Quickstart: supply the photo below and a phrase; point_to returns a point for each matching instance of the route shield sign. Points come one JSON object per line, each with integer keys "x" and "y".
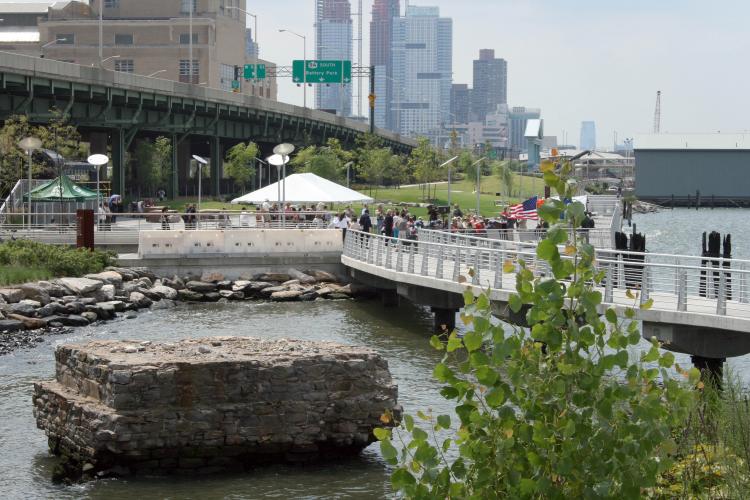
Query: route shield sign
{"x": 254, "y": 71}
{"x": 318, "y": 71}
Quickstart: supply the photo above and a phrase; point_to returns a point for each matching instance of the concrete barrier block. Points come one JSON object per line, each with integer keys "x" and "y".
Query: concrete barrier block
{"x": 160, "y": 243}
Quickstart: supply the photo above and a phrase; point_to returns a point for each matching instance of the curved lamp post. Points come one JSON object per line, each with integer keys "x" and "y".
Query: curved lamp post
{"x": 98, "y": 160}
{"x": 29, "y": 145}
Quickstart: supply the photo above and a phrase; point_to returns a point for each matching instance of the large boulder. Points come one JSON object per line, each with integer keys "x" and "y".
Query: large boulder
{"x": 139, "y": 300}
{"x": 80, "y": 286}
{"x": 76, "y": 307}
{"x": 212, "y": 277}
{"x": 11, "y": 295}
{"x": 286, "y": 295}
{"x": 301, "y": 277}
{"x": 201, "y": 287}
{"x": 165, "y": 292}
{"x": 144, "y": 272}
{"x": 106, "y": 293}
{"x": 187, "y": 295}
{"x": 10, "y": 325}
{"x": 107, "y": 277}
{"x": 24, "y": 308}
{"x": 50, "y": 309}
{"x": 127, "y": 274}
{"x": 29, "y": 323}
{"x": 175, "y": 282}
{"x": 322, "y": 276}
{"x": 231, "y": 295}
{"x": 72, "y": 320}
{"x": 277, "y": 277}
{"x": 117, "y": 305}
{"x": 35, "y": 291}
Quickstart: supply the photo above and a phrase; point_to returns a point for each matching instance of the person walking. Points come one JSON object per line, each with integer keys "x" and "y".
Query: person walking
{"x": 164, "y": 219}
{"x": 365, "y": 222}
{"x": 388, "y": 224}
{"x": 342, "y": 222}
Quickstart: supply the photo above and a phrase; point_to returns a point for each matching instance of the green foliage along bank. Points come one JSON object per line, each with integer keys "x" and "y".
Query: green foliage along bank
{"x": 24, "y": 260}
{"x": 566, "y": 408}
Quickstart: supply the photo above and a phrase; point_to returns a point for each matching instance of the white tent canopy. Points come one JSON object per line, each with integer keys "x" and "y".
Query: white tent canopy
{"x": 305, "y": 188}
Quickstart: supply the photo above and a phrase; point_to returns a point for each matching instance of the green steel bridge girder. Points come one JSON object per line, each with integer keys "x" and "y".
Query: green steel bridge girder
{"x": 127, "y": 113}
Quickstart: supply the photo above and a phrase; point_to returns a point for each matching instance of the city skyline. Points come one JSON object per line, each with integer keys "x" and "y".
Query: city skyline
{"x": 623, "y": 63}
{"x": 578, "y": 66}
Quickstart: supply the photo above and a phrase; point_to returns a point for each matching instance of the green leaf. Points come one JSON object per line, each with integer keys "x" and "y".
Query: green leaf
{"x": 611, "y": 316}
{"x": 419, "y": 434}
{"x": 667, "y": 360}
{"x": 388, "y": 450}
{"x": 547, "y": 250}
{"x": 495, "y": 397}
{"x": 647, "y": 305}
{"x": 528, "y": 486}
{"x": 557, "y": 234}
{"x": 454, "y": 342}
{"x": 472, "y": 341}
{"x": 514, "y": 301}
{"x": 436, "y": 343}
{"x": 444, "y": 421}
{"x": 442, "y": 373}
{"x": 381, "y": 434}
{"x": 486, "y": 375}
{"x": 402, "y": 478}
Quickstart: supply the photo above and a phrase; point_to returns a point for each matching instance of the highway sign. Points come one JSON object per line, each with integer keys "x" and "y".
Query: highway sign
{"x": 254, "y": 71}
{"x": 317, "y": 71}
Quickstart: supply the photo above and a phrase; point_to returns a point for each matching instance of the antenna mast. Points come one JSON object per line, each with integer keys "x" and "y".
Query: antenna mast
{"x": 657, "y": 113}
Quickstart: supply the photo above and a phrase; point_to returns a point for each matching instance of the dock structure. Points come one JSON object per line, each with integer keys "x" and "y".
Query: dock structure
{"x": 700, "y": 307}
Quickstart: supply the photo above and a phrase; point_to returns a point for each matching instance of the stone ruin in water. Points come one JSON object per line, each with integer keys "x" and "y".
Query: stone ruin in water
{"x": 205, "y": 405}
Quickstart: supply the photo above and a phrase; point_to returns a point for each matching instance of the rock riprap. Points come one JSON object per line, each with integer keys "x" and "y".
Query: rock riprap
{"x": 205, "y": 405}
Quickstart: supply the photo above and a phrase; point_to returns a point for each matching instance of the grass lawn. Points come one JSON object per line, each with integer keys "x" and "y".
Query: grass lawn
{"x": 16, "y": 275}
{"x": 462, "y": 192}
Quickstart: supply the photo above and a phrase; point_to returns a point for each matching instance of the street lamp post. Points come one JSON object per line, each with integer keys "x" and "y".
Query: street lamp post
{"x": 98, "y": 161}
{"x": 479, "y": 181}
{"x": 49, "y": 44}
{"x": 201, "y": 162}
{"x": 156, "y": 73}
{"x": 348, "y": 174}
{"x": 101, "y": 34}
{"x": 304, "y": 66}
{"x": 448, "y": 164}
{"x": 29, "y": 145}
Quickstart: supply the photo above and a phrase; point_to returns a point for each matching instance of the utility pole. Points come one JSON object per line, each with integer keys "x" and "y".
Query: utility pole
{"x": 101, "y": 31}
{"x": 657, "y": 113}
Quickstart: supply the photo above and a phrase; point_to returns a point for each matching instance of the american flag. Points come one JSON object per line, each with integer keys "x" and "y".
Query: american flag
{"x": 524, "y": 211}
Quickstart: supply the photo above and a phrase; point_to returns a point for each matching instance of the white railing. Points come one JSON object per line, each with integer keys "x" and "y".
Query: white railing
{"x": 675, "y": 282}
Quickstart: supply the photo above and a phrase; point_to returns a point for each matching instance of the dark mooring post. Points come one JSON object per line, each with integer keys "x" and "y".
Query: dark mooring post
{"x": 727, "y": 254}
{"x": 445, "y": 320}
{"x": 704, "y": 264}
{"x": 712, "y": 369}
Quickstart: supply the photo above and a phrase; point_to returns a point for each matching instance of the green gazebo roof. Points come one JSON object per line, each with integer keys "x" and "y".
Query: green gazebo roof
{"x": 51, "y": 191}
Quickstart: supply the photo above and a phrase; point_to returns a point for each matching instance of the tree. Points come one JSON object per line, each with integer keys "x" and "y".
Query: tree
{"x": 375, "y": 164}
{"x": 464, "y": 164}
{"x": 423, "y": 162}
{"x": 558, "y": 409}
{"x": 322, "y": 161}
{"x": 58, "y": 135}
{"x": 240, "y": 165}
{"x": 505, "y": 174}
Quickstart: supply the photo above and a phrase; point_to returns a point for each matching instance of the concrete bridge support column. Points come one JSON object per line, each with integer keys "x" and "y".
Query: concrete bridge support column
{"x": 174, "y": 177}
{"x": 389, "y": 298}
{"x": 445, "y": 319}
{"x": 118, "y": 161}
{"x": 217, "y": 157}
{"x": 98, "y": 142}
{"x": 712, "y": 369}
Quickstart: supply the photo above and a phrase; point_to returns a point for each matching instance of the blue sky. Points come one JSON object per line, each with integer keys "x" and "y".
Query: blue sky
{"x": 600, "y": 60}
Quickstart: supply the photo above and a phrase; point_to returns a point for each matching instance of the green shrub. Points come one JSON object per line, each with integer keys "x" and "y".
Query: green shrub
{"x": 558, "y": 410}
{"x": 55, "y": 260}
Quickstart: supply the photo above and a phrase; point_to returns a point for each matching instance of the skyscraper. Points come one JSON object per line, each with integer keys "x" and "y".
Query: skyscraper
{"x": 490, "y": 84}
{"x": 519, "y": 118}
{"x": 460, "y": 102}
{"x": 333, "y": 41}
{"x": 588, "y": 135}
{"x": 423, "y": 70}
{"x": 381, "y": 43}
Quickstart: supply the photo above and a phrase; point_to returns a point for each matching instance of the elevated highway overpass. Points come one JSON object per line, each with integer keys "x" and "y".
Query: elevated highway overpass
{"x": 113, "y": 110}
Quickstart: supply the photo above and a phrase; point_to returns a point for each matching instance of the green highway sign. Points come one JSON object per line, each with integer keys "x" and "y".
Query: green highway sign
{"x": 254, "y": 71}
{"x": 317, "y": 71}
{"x": 235, "y": 84}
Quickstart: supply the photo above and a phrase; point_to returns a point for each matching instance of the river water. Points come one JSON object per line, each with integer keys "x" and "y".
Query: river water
{"x": 399, "y": 334}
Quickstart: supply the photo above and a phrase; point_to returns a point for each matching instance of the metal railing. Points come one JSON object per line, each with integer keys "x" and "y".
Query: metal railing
{"x": 680, "y": 283}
